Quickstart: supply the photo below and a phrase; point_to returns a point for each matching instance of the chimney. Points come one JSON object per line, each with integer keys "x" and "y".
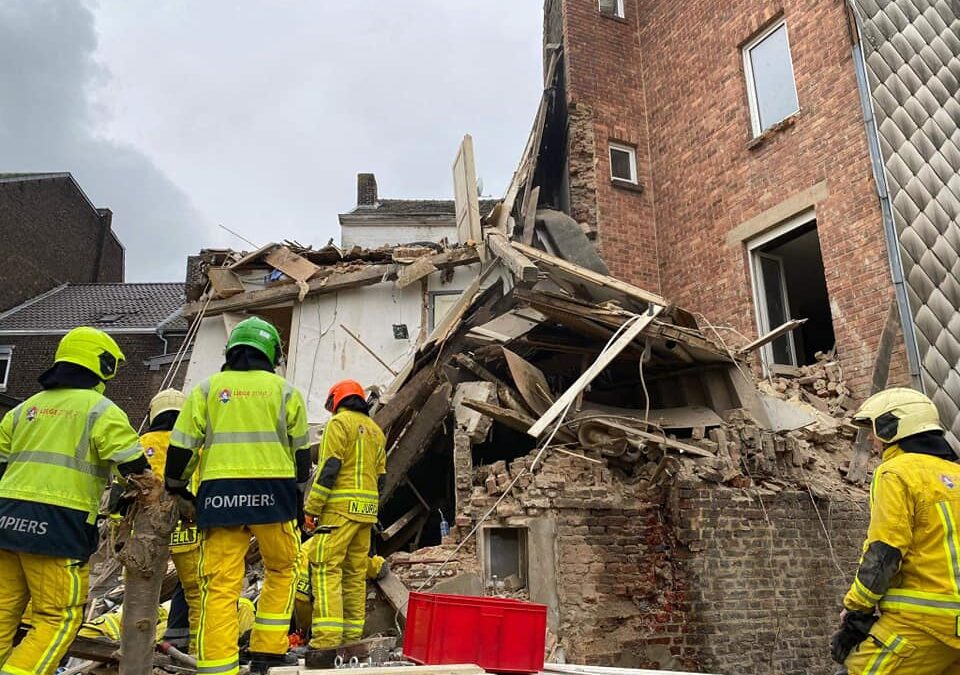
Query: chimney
{"x": 366, "y": 189}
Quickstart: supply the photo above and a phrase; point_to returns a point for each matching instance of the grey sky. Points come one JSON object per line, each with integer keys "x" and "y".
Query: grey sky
{"x": 180, "y": 115}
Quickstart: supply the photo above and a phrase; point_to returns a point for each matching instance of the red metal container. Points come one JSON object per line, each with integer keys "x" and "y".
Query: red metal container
{"x": 497, "y": 634}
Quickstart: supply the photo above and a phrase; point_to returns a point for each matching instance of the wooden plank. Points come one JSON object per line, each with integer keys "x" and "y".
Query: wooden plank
{"x": 530, "y": 382}
{"x": 402, "y": 522}
{"x": 589, "y": 276}
{"x": 409, "y": 397}
{"x": 420, "y": 269}
{"x": 523, "y": 270}
{"x": 510, "y": 418}
{"x": 604, "y": 360}
{"x": 339, "y": 281}
{"x": 530, "y": 216}
{"x": 99, "y": 650}
{"x": 766, "y": 338}
{"x": 253, "y": 256}
{"x": 466, "y": 202}
{"x": 294, "y": 266}
{"x": 661, "y": 440}
{"x": 225, "y": 283}
{"x": 396, "y": 593}
{"x": 510, "y": 326}
{"x": 680, "y": 417}
{"x": 416, "y": 438}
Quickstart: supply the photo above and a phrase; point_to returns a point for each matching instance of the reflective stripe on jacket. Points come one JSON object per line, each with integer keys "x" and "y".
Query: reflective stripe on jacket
{"x": 249, "y": 423}
{"x": 59, "y": 446}
{"x": 359, "y": 444}
{"x": 915, "y": 508}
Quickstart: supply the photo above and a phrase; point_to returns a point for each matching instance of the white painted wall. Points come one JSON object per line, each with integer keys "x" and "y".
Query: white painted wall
{"x": 380, "y": 234}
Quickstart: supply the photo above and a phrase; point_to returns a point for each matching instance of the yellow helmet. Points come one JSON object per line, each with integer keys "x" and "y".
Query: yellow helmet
{"x": 896, "y": 413}
{"x": 91, "y": 348}
{"x": 165, "y": 401}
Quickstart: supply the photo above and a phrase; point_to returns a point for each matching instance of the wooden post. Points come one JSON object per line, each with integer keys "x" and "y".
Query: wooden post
{"x": 145, "y": 538}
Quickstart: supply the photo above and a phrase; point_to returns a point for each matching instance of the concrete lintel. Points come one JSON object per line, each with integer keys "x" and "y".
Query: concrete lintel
{"x": 767, "y": 220}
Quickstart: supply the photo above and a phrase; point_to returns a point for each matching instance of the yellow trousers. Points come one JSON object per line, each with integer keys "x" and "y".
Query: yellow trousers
{"x": 908, "y": 644}
{"x": 221, "y": 566}
{"x": 186, "y": 563}
{"x": 57, "y": 588}
{"x": 338, "y": 574}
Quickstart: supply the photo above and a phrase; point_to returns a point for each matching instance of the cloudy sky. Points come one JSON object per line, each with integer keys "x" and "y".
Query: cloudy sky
{"x": 258, "y": 114}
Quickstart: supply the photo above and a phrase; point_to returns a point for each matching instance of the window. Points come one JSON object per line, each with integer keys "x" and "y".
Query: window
{"x": 789, "y": 283}
{"x": 612, "y": 8}
{"x": 770, "y": 85}
{"x": 6, "y": 353}
{"x": 505, "y": 558}
{"x": 623, "y": 163}
{"x": 441, "y": 302}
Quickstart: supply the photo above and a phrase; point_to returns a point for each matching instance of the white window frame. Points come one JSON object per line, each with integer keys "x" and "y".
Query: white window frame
{"x": 434, "y": 319}
{"x": 751, "y": 83}
{"x": 619, "y": 12}
{"x": 632, "y": 152}
{"x": 6, "y": 351}
{"x": 756, "y": 282}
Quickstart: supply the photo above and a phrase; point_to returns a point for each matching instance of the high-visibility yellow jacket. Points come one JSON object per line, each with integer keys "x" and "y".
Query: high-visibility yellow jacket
{"x": 360, "y": 446}
{"x": 251, "y": 425}
{"x": 914, "y": 508}
{"x": 155, "y": 445}
{"x": 58, "y": 447}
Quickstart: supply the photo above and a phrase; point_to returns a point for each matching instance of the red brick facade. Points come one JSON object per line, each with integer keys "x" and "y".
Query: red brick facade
{"x": 668, "y": 79}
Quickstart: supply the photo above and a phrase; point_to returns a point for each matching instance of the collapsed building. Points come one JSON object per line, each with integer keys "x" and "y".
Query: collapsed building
{"x": 565, "y": 437}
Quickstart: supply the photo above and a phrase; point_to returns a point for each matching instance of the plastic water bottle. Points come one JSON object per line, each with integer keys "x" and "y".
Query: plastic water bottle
{"x": 444, "y": 525}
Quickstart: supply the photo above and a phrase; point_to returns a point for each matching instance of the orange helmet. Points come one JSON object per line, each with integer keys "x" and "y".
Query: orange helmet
{"x": 340, "y": 391}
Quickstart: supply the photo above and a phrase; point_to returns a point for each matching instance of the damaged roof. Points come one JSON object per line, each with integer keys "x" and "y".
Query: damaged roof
{"x": 110, "y": 307}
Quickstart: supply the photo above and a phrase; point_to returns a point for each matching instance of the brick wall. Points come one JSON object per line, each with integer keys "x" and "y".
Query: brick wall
{"x": 132, "y": 388}
{"x": 51, "y": 235}
{"x": 679, "y": 96}
{"x": 763, "y": 588}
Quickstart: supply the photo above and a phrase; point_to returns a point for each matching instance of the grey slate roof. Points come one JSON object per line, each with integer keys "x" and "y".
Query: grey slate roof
{"x": 110, "y": 307}
{"x": 418, "y": 207}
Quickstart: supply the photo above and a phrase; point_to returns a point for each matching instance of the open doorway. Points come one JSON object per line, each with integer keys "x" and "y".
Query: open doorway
{"x": 789, "y": 283}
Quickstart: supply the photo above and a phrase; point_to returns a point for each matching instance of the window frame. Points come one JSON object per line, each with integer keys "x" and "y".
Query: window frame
{"x": 523, "y": 553}
{"x": 619, "y": 13}
{"x": 751, "y": 82}
{"x": 632, "y": 153}
{"x": 754, "y": 253}
{"x": 6, "y": 351}
{"x": 432, "y": 301}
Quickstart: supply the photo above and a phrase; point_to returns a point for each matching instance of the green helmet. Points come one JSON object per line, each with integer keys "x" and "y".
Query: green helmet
{"x": 91, "y": 348}
{"x": 259, "y": 334}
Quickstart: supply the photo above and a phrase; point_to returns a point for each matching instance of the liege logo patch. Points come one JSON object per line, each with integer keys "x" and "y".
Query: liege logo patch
{"x": 32, "y": 414}
{"x": 224, "y": 396}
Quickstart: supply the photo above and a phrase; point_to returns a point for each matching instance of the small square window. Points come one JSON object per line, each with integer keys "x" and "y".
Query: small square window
{"x": 623, "y": 163}
{"x": 771, "y": 88}
{"x": 505, "y": 558}
{"x": 441, "y": 302}
{"x": 6, "y": 355}
{"x": 612, "y": 8}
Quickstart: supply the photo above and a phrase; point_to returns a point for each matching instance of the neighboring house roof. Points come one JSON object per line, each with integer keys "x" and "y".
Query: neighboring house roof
{"x": 114, "y": 308}
{"x": 417, "y": 207}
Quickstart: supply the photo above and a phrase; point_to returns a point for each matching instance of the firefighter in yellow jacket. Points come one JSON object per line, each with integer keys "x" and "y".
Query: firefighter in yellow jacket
{"x": 344, "y": 499}
{"x": 254, "y": 468}
{"x": 184, "y": 544}
{"x": 57, "y": 449}
{"x": 910, "y": 568}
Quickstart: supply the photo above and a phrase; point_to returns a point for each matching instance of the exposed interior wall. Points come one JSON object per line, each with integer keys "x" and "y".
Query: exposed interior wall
{"x": 377, "y": 234}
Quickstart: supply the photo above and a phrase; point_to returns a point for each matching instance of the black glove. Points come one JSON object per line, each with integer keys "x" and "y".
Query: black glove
{"x": 117, "y": 502}
{"x": 853, "y": 630}
{"x": 180, "y": 491}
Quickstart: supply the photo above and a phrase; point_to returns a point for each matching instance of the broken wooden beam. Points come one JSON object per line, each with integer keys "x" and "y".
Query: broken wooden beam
{"x": 766, "y": 338}
{"x": 584, "y": 275}
{"x": 337, "y": 281}
{"x": 416, "y": 438}
{"x": 606, "y": 357}
{"x": 402, "y": 522}
{"x": 410, "y": 397}
{"x": 396, "y": 593}
{"x": 225, "y": 282}
{"x": 294, "y": 266}
{"x": 523, "y": 270}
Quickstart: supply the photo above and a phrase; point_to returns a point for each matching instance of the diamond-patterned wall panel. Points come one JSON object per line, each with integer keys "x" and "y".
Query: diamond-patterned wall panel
{"x": 912, "y": 49}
